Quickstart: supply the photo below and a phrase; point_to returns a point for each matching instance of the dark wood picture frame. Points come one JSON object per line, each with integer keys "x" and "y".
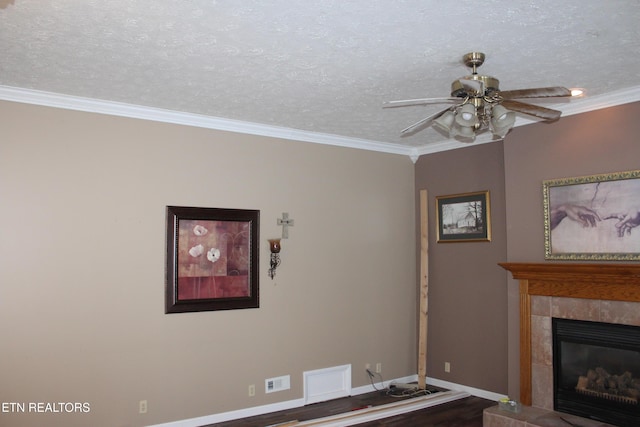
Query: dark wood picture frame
{"x": 212, "y": 259}
{"x": 594, "y": 217}
{"x": 463, "y": 217}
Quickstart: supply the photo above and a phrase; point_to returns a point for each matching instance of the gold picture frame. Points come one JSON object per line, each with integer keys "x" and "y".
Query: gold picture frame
{"x": 592, "y": 217}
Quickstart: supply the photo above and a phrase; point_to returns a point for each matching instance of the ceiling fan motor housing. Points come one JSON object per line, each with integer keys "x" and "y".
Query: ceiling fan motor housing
{"x": 490, "y": 84}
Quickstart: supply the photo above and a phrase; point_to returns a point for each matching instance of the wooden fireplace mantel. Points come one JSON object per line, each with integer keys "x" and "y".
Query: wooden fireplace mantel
{"x": 614, "y": 282}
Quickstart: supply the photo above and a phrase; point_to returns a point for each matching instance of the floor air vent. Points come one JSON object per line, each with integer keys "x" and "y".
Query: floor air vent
{"x": 327, "y": 384}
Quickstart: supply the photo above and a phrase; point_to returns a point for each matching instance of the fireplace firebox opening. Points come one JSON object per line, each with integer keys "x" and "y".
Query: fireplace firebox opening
{"x": 596, "y": 370}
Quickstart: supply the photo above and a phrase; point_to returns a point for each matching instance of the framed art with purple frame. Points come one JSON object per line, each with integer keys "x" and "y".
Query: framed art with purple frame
{"x": 212, "y": 259}
{"x": 592, "y": 217}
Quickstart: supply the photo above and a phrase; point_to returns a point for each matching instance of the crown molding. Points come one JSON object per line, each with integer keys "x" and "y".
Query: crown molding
{"x": 50, "y": 99}
{"x": 612, "y": 99}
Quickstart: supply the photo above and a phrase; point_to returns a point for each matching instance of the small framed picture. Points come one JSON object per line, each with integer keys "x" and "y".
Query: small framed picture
{"x": 212, "y": 259}
{"x": 592, "y": 217}
{"x": 464, "y": 217}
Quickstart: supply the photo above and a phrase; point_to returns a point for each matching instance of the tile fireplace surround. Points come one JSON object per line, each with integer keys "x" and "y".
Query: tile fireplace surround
{"x": 597, "y": 292}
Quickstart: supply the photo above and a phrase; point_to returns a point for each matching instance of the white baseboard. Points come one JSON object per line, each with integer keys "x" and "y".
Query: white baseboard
{"x": 297, "y": 403}
{"x": 489, "y": 395}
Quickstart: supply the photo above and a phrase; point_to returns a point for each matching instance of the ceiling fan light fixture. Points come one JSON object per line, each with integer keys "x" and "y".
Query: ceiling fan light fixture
{"x": 481, "y": 106}
{"x": 501, "y": 116}
{"x": 468, "y": 134}
{"x": 467, "y": 116}
{"x": 502, "y": 120}
{"x": 501, "y": 131}
{"x": 445, "y": 122}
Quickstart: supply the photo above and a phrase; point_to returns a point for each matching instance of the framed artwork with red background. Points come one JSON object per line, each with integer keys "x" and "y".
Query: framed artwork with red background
{"x": 212, "y": 259}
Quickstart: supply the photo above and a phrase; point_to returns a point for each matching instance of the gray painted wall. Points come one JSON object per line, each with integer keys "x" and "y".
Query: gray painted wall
{"x": 473, "y": 303}
{"x": 467, "y": 289}
{"x": 586, "y": 144}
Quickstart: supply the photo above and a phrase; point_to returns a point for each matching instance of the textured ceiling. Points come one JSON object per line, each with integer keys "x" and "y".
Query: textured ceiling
{"x": 321, "y": 69}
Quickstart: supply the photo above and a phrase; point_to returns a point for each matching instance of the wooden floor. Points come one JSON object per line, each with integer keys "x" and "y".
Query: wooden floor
{"x": 466, "y": 412}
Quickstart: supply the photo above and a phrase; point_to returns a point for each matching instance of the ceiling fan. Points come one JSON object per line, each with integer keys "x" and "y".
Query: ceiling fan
{"x": 479, "y": 105}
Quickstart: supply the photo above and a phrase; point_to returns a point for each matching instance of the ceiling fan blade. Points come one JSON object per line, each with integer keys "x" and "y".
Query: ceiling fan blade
{"x": 533, "y": 110}
{"x": 541, "y": 92}
{"x": 422, "y": 123}
{"x": 421, "y": 101}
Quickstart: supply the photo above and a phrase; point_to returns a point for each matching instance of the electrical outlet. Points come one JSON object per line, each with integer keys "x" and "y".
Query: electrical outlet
{"x": 367, "y": 366}
{"x": 447, "y": 367}
{"x": 252, "y": 390}
{"x": 142, "y": 406}
{"x": 378, "y": 368}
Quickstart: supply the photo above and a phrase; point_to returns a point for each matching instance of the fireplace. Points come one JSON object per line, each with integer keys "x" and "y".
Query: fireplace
{"x": 603, "y": 292}
{"x": 596, "y": 370}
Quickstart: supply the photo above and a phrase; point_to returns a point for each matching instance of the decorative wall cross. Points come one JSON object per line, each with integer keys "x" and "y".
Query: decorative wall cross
{"x": 285, "y": 222}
